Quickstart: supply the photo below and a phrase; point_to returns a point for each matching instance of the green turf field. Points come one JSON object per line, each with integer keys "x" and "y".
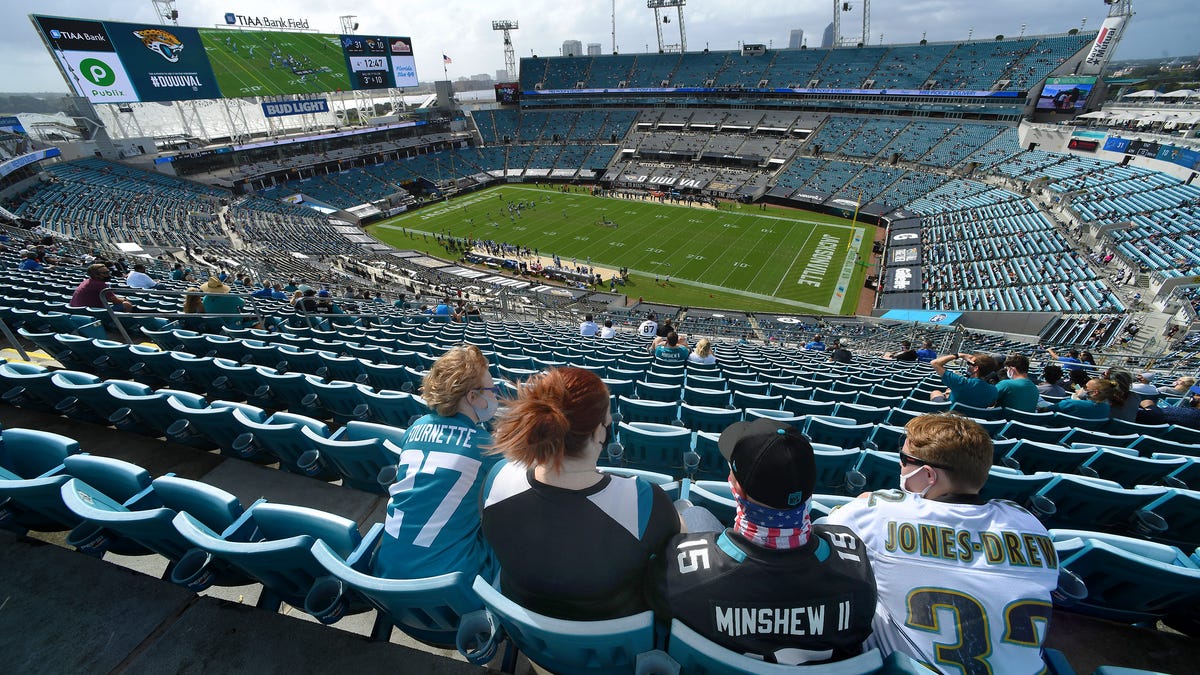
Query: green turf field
{"x": 258, "y": 63}
{"x": 735, "y": 258}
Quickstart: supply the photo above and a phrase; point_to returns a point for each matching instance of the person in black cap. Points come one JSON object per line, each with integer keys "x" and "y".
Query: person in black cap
{"x": 773, "y": 586}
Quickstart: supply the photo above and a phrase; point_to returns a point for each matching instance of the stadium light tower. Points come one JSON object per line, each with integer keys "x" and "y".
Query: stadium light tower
{"x": 659, "y": 20}
{"x": 840, "y": 6}
{"x": 167, "y": 13}
{"x": 510, "y": 57}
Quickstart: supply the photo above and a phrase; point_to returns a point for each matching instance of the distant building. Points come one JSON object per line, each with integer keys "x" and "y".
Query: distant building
{"x": 796, "y": 39}
{"x": 572, "y": 48}
{"x": 827, "y": 37}
{"x": 502, "y": 75}
{"x": 593, "y": 49}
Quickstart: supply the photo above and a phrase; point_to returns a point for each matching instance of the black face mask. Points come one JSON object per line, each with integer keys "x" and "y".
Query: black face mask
{"x": 608, "y": 436}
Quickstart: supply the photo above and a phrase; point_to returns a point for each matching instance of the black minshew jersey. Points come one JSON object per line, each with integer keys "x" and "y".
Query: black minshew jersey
{"x": 808, "y": 605}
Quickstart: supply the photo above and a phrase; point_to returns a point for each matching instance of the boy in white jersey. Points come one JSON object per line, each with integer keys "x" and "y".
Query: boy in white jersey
{"x": 964, "y": 583}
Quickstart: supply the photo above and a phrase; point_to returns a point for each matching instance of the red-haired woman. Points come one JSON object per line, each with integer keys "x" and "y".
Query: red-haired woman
{"x": 573, "y": 543}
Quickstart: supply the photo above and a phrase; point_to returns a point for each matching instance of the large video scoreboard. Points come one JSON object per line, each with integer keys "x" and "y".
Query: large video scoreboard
{"x": 113, "y": 62}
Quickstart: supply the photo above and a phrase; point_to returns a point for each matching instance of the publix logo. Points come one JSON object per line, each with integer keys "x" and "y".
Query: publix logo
{"x": 98, "y": 72}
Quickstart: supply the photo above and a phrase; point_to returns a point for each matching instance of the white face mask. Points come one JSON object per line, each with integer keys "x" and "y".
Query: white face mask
{"x": 488, "y": 411}
{"x": 904, "y": 479}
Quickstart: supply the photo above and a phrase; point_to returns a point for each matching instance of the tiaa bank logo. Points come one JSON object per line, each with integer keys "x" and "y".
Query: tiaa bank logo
{"x": 230, "y": 18}
{"x": 54, "y": 33}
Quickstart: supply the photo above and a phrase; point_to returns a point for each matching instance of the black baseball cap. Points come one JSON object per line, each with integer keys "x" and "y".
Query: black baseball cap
{"x": 772, "y": 461}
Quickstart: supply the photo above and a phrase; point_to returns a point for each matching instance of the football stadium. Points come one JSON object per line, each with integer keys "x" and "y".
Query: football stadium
{"x": 303, "y": 372}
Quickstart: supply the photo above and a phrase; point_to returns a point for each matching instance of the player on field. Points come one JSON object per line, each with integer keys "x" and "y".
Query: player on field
{"x": 964, "y": 583}
{"x": 773, "y": 586}
{"x": 432, "y": 524}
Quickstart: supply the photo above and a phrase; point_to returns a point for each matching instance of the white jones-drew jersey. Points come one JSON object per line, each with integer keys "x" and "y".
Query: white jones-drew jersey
{"x": 963, "y": 588}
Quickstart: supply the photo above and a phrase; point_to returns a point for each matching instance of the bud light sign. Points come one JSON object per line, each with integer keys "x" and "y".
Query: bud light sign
{"x": 304, "y": 107}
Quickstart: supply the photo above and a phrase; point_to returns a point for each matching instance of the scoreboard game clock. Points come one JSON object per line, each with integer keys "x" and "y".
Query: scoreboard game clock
{"x": 367, "y": 58}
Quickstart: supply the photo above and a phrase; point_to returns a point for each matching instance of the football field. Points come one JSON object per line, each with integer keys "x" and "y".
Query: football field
{"x": 738, "y": 256}
{"x": 254, "y": 63}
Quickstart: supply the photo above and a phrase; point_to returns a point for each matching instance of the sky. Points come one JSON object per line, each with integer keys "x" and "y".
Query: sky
{"x": 462, "y": 29}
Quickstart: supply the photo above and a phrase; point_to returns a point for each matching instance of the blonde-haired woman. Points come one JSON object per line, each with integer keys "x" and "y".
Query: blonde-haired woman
{"x": 703, "y": 354}
{"x": 432, "y": 524}
{"x": 573, "y": 543}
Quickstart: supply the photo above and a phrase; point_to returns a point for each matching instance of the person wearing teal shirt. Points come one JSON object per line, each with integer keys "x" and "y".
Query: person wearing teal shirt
{"x": 1091, "y": 402}
{"x": 668, "y": 350}
{"x": 432, "y": 524}
{"x": 1018, "y": 392}
{"x": 218, "y": 301}
{"x": 969, "y": 390}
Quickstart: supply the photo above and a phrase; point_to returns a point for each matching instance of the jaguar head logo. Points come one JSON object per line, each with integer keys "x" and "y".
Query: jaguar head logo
{"x": 161, "y": 42}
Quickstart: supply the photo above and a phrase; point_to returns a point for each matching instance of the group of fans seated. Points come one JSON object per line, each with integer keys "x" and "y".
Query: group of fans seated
{"x": 524, "y": 501}
{"x": 1004, "y": 382}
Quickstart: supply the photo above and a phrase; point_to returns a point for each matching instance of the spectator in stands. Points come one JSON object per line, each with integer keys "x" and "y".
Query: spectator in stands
{"x": 573, "y": 542}
{"x": 1086, "y": 358}
{"x": 588, "y": 327}
{"x": 926, "y": 353}
{"x": 668, "y": 349}
{"x": 1070, "y": 361}
{"x": 401, "y": 302}
{"x": 1187, "y": 413}
{"x": 943, "y": 466}
{"x": 31, "y": 263}
{"x": 608, "y": 331}
{"x": 1017, "y": 392}
{"x": 906, "y": 353}
{"x": 217, "y": 299}
{"x": 970, "y": 390}
{"x": 177, "y": 272}
{"x": 1144, "y": 386}
{"x": 665, "y": 328}
{"x": 1052, "y": 377}
{"x": 772, "y": 560}
{"x": 817, "y": 344}
{"x": 649, "y": 327}
{"x": 193, "y": 302}
{"x": 704, "y": 354}
{"x": 1124, "y": 404}
{"x": 840, "y": 352}
{"x": 138, "y": 278}
{"x": 432, "y": 525}
{"x": 89, "y": 291}
{"x": 443, "y": 308}
{"x": 1178, "y": 388}
{"x": 1078, "y": 379}
{"x": 325, "y": 303}
{"x": 1093, "y": 402}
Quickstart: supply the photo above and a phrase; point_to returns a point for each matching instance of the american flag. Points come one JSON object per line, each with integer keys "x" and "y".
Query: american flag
{"x": 447, "y": 60}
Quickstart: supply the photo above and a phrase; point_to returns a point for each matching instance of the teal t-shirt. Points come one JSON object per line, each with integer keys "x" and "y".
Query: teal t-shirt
{"x": 665, "y": 354}
{"x": 1089, "y": 410}
{"x": 969, "y": 390}
{"x": 432, "y": 524}
{"x": 1017, "y": 394}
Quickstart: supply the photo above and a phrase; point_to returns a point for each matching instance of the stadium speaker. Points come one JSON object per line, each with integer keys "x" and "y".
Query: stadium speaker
{"x": 1032, "y": 147}
{"x": 1125, "y": 160}
{"x": 1191, "y": 178}
{"x": 895, "y": 158}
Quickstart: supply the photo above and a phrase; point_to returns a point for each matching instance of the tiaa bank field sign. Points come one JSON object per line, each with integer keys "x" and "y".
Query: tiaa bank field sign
{"x": 305, "y": 107}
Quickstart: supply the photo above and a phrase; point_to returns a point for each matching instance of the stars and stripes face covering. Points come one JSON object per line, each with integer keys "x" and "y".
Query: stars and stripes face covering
{"x": 772, "y": 528}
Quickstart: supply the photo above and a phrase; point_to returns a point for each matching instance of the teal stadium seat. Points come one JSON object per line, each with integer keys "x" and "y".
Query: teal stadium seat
{"x": 559, "y": 646}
